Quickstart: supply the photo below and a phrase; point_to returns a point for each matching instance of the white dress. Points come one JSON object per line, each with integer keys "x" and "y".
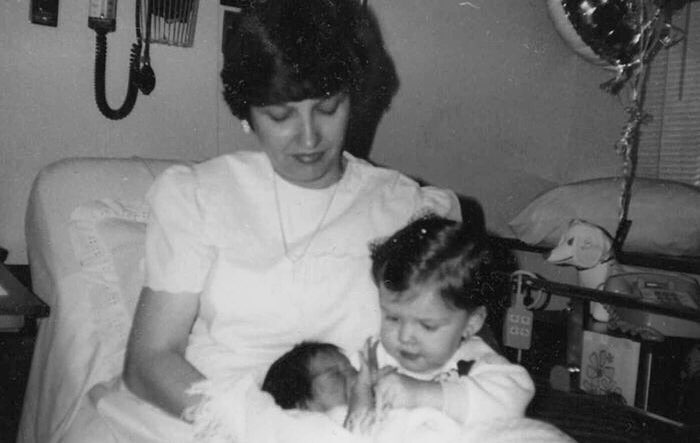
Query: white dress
{"x": 274, "y": 264}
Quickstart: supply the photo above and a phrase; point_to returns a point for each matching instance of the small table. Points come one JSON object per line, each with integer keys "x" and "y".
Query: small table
{"x": 15, "y": 299}
{"x": 17, "y": 340}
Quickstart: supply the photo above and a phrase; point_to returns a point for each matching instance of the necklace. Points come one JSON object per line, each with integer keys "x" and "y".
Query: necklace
{"x": 295, "y": 258}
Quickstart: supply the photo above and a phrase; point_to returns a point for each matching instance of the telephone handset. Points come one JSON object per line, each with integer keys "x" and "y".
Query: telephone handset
{"x": 102, "y": 18}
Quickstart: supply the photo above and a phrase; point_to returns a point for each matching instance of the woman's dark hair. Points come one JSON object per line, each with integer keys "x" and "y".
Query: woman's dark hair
{"x": 289, "y": 377}
{"x": 291, "y": 50}
{"x": 432, "y": 249}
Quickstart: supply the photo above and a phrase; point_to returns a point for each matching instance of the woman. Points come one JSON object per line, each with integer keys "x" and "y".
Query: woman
{"x": 250, "y": 253}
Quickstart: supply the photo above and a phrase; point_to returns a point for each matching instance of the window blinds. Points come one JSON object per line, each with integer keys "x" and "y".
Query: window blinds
{"x": 669, "y": 145}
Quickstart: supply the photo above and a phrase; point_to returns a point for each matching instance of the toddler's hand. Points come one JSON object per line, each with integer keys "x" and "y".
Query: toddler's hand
{"x": 394, "y": 390}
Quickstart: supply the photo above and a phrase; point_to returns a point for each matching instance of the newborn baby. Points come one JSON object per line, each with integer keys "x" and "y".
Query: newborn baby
{"x": 312, "y": 376}
{"x": 318, "y": 377}
{"x": 324, "y": 398}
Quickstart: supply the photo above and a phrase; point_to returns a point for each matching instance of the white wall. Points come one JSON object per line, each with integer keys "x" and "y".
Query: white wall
{"x": 492, "y": 103}
{"x": 48, "y": 111}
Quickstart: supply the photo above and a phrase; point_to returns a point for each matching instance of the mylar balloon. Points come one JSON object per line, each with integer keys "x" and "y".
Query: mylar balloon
{"x": 605, "y": 32}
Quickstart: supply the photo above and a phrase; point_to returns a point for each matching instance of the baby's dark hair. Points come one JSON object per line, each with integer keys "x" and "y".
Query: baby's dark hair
{"x": 289, "y": 378}
{"x": 432, "y": 249}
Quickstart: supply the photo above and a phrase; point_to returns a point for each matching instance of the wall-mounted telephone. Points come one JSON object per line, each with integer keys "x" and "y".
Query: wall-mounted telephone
{"x": 675, "y": 290}
{"x": 102, "y": 17}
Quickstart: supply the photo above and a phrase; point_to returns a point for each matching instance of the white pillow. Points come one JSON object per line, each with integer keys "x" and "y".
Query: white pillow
{"x": 108, "y": 238}
{"x": 665, "y": 215}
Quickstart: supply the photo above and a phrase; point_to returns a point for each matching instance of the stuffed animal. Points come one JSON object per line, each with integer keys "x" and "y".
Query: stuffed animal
{"x": 587, "y": 247}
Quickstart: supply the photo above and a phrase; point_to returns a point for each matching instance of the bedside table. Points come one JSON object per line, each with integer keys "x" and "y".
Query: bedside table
{"x": 16, "y": 347}
{"x": 17, "y": 300}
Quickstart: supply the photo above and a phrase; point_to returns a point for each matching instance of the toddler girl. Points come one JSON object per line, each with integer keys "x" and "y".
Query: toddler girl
{"x": 430, "y": 276}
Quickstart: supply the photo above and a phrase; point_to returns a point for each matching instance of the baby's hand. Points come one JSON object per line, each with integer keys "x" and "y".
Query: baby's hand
{"x": 394, "y": 390}
{"x": 361, "y": 397}
{"x": 361, "y": 394}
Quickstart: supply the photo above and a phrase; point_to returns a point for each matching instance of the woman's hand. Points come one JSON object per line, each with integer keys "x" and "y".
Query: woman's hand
{"x": 394, "y": 390}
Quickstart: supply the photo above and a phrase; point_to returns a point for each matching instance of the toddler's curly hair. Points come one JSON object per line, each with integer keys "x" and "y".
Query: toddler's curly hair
{"x": 432, "y": 249}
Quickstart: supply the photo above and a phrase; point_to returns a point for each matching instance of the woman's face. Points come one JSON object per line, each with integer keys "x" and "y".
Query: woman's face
{"x": 304, "y": 140}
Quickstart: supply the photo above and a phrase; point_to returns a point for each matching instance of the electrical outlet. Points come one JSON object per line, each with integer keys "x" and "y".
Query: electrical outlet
{"x": 517, "y": 328}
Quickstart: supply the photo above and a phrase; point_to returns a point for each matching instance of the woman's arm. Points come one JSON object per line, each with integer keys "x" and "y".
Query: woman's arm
{"x": 155, "y": 368}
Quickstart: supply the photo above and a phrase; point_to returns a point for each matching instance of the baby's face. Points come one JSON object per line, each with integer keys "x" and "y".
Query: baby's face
{"x": 332, "y": 378}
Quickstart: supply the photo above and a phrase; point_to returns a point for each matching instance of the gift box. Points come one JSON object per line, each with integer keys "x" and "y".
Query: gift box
{"x": 609, "y": 365}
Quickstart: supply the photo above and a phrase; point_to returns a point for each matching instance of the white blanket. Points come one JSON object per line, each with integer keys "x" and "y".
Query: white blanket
{"x": 239, "y": 412}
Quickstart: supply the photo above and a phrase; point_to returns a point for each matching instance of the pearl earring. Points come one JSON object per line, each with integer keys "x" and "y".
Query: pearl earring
{"x": 246, "y": 126}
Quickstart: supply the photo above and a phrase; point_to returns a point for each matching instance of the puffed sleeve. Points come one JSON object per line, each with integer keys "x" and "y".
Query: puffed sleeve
{"x": 178, "y": 255}
{"x": 494, "y": 388}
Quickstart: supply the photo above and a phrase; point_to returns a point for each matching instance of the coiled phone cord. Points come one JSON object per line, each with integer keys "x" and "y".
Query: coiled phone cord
{"x": 140, "y": 78}
{"x": 133, "y": 89}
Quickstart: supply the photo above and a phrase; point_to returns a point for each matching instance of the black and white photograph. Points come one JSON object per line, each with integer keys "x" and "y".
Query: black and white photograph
{"x": 349, "y": 221}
